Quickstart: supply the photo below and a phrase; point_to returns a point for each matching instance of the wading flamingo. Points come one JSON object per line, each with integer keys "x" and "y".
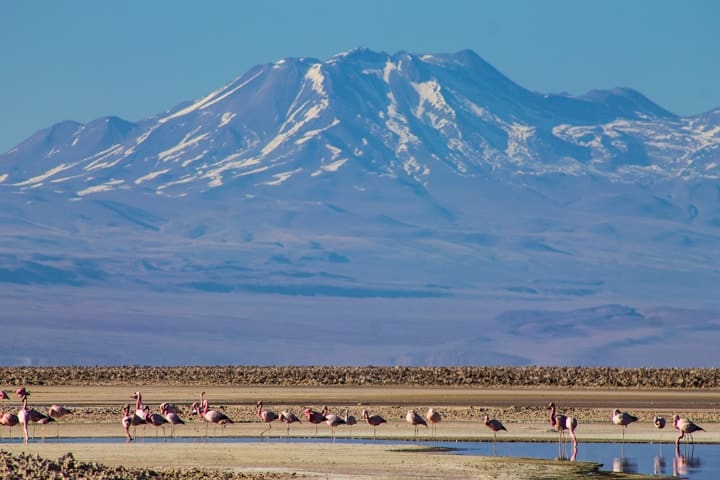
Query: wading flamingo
{"x": 686, "y": 427}
{"x": 287, "y": 417}
{"x": 373, "y": 420}
{"x": 266, "y": 416}
{"x": 127, "y": 422}
{"x": 624, "y": 419}
{"x": 496, "y": 426}
{"x": 562, "y": 423}
{"x": 316, "y": 418}
{"x": 332, "y": 421}
{"x": 434, "y": 417}
{"x": 172, "y": 417}
{"x": 415, "y": 420}
{"x": 350, "y": 420}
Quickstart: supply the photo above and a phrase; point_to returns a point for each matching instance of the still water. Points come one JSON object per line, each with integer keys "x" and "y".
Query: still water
{"x": 698, "y": 462}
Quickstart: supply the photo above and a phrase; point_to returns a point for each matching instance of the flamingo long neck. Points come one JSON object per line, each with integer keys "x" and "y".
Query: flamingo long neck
{"x": 138, "y": 401}
{"x": 206, "y": 407}
{"x": 553, "y": 417}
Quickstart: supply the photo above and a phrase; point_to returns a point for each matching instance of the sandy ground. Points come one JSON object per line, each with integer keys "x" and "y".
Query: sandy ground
{"x": 523, "y": 412}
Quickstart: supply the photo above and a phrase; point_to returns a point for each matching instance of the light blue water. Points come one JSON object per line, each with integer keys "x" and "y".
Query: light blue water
{"x": 698, "y": 462}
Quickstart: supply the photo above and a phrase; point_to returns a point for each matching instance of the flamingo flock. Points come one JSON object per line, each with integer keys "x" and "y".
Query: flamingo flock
{"x": 170, "y": 415}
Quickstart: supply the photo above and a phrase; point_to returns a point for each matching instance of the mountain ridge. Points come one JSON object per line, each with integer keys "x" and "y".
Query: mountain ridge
{"x": 387, "y": 191}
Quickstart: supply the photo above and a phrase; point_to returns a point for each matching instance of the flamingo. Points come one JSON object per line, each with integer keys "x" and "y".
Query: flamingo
{"x": 27, "y": 415}
{"x": 332, "y": 420}
{"x": 562, "y": 423}
{"x": 169, "y": 408}
{"x": 434, "y": 418}
{"x": 127, "y": 421}
{"x": 288, "y": 417}
{"x": 350, "y": 420}
{"x": 659, "y": 423}
{"x": 415, "y": 420}
{"x": 57, "y": 412}
{"x": 172, "y": 417}
{"x": 7, "y": 419}
{"x": 266, "y": 416}
{"x": 686, "y": 427}
{"x": 22, "y": 392}
{"x": 495, "y": 426}
{"x": 139, "y": 409}
{"x": 316, "y": 418}
{"x": 373, "y": 420}
{"x": 624, "y": 419}
{"x": 210, "y": 416}
{"x": 155, "y": 419}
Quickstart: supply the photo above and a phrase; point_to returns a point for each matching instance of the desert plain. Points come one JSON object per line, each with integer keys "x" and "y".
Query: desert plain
{"x": 463, "y": 395}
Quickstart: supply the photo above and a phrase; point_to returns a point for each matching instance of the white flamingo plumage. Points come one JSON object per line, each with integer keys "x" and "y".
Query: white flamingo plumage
{"x": 414, "y": 419}
{"x": 562, "y": 423}
{"x": 332, "y": 421}
{"x": 623, "y": 418}
{"x": 287, "y": 417}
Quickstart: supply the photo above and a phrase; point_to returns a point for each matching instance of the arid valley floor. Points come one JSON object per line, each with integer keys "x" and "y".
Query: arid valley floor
{"x": 517, "y": 396}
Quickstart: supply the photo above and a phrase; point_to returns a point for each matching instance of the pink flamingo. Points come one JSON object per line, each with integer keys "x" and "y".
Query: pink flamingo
{"x": 30, "y": 415}
{"x": 170, "y": 408}
{"x": 172, "y": 417}
{"x": 374, "y": 420}
{"x": 332, "y": 420}
{"x": 22, "y": 392}
{"x": 4, "y": 395}
{"x": 434, "y": 417}
{"x": 315, "y": 418}
{"x": 266, "y": 416}
{"x": 139, "y": 408}
{"x": 9, "y": 420}
{"x": 210, "y": 416}
{"x": 415, "y": 420}
{"x": 288, "y": 417}
{"x": 127, "y": 421}
{"x": 155, "y": 419}
{"x": 57, "y": 412}
{"x": 562, "y": 423}
{"x": 686, "y": 427}
{"x": 624, "y": 419}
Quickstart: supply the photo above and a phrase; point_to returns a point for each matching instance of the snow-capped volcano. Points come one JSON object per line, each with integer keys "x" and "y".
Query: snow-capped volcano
{"x": 406, "y": 116}
{"x": 397, "y": 188}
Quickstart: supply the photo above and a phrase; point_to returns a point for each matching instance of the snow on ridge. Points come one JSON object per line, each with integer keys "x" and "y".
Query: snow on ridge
{"x": 313, "y": 133}
{"x": 44, "y": 176}
{"x": 281, "y": 177}
{"x": 105, "y": 187}
{"x": 389, "y": 68}
{"x": 174, "y": 152}
{"x": 226, "y": 118}
{"x": 209, "y": 100}
{"x": 151, "y": 176}
{"x": 317, "y": 79}
{"x": 430, "y": 93}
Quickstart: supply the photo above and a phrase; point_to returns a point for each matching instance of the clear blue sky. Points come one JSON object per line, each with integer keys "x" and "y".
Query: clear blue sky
{"x": 82, "y": 59}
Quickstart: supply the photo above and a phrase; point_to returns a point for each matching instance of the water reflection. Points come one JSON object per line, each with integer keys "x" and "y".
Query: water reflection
{"x": 624, "y": 465}
{"x": 659, "y": 465}
{"x": 685, "y": 465}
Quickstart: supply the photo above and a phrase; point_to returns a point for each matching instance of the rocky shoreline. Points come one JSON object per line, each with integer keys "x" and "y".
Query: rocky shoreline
{"x": 290, "y": 376}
